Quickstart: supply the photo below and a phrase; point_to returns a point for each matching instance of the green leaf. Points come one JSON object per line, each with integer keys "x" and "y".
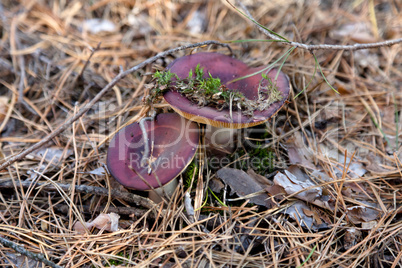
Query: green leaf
{"x": 190, "y": 74}
{"x": 308, "y": 257}
{"x": 217, "y": 198}
{"x": 323, "y": 76}
{"x": 199, "y": 72}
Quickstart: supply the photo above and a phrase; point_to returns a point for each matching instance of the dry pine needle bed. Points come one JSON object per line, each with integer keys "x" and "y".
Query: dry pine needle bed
{"x": 323, "y": 175}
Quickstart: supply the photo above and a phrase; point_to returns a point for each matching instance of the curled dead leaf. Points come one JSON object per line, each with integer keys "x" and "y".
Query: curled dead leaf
{"x": 360, "y": 214}
{"x": 297, "y": 183}
{"x": 296, "y": 212}
{"x": 108, "y": 222}
{"x": 299, "y": 153}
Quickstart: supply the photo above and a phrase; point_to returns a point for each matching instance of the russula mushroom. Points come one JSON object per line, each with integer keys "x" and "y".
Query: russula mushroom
{"x": 173, "y": 141}
{"x": 226, "y": 69}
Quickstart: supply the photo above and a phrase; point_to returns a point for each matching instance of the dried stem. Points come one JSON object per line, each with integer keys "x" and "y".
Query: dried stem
{"x": 87, "y": 61}
{"x": 139, "y": 200}
{"x": 38, "y": 257}
{"x": 88, "y": 106}
{"x": 317, "y": 47}
{"x": 138, "y": 212}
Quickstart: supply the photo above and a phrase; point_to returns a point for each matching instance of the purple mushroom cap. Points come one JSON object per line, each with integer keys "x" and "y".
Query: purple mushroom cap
{"x": 173, "y": 140}
{"x": 226, "y": 69}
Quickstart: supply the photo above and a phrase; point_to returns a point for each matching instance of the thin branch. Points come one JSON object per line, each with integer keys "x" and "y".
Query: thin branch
{"x": 88, "y": 60}
{"x": 34, "y": 256}
{"x": 88, "y": 106}
{"x": 138, "y": 212}
{"x": 315, "y": 47}
{"x": 138, "y": 200}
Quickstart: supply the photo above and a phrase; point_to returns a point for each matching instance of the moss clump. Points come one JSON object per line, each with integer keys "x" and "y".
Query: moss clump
{"x": 189, "y": 173}
{"x": 116, "y": 262}
{"x": 211, "y": 92}
{"x": 260, "y": 159}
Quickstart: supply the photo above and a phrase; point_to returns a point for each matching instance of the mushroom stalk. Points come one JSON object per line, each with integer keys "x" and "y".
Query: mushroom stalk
{"x": 166, "y": 190}
{"x": 223, "y": 139}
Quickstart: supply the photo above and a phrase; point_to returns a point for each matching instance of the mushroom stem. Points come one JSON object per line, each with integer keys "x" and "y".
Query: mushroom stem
{"x": 221, "y": 138}
{"x": 166, "y": 190}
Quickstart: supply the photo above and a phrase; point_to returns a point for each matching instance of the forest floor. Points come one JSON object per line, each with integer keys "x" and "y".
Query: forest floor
{"x": 326, "y": 169}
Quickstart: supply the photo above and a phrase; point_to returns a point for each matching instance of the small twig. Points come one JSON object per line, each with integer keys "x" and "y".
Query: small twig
{"x": 88, "y": 106}
{"x": 138, "y": 212}
{"x": 138, "y": 200}
{"x": 317, "y": 47}
{"x": 35, "y": 256}
{"x": 87, "y": 61}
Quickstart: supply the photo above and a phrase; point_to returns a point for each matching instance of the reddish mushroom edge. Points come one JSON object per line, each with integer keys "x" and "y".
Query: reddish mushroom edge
{"x": 174, "y": 142}
{"x": 226, "y": 68}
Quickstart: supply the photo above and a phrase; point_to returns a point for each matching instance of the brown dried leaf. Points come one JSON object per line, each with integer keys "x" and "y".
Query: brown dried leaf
{"x": 355, "y": 170}
{"x": 244, "y": 185}
{"x": 296, "y": 181}
{"x": 377, "y": 168}
{"x": 359, "y": 214}
{"x": 296, "y": 212}
{"x": 277, "y": 194}
{"x": 298, "y": 152}
{"x": 355, "y": 190}
{"x": 259, "y": 178}
{"x": 216, "y": 185}
{"x": 314, "y": 214}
